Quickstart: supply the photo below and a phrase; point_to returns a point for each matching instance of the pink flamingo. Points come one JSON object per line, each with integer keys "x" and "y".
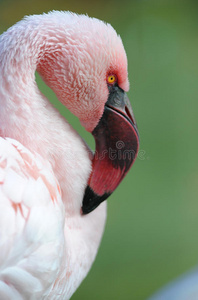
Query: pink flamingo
{"x": 50, "y": 182}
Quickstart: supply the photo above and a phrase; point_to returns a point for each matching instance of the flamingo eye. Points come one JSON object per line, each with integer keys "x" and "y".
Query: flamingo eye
{"x": 111, "y": 79}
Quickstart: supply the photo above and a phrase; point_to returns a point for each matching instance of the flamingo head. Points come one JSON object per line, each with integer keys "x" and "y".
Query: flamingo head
{"x": 87, "y": 69}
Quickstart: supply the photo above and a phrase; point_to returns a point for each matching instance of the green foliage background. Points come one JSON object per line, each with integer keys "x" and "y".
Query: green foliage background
{"x": 151, "y": 233}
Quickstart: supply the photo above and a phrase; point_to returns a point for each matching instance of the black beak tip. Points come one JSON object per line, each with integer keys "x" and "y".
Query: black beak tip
{"x": 91, "y": 200}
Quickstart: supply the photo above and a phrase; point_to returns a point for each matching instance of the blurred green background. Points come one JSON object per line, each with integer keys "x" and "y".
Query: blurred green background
{"x": 152, "y": 228}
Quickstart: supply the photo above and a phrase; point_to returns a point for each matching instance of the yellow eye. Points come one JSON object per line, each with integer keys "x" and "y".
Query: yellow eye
{"x": 111, "y": 79}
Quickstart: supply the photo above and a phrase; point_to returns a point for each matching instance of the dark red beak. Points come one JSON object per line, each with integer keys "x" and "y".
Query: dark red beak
{"x": 117, "y": 142}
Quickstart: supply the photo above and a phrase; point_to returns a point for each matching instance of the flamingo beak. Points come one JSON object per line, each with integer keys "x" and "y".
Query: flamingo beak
{"x": 117, "y": 142}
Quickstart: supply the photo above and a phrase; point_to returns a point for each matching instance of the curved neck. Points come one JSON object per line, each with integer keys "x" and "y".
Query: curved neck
{"x": 20, "y": 49}
{"x": 27, "y": 116}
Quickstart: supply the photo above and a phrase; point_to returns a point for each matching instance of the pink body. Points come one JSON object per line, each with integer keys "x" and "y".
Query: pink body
{"x": 46, "y": 245}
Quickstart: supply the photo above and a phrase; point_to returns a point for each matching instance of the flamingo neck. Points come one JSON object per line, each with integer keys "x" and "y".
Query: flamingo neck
{"x": 27, "y": 116}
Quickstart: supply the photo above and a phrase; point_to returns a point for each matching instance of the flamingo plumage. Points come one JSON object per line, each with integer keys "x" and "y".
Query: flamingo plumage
{"x": 51, "y": 184}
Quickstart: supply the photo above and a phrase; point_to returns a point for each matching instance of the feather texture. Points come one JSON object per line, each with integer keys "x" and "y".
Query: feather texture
{"x": 47, "y": 247}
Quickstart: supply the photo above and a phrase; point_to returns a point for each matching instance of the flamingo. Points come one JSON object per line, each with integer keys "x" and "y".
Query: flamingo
{"x": 52, "y": 187}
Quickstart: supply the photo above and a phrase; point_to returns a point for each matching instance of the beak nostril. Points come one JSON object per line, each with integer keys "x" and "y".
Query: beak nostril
{"x": 129, "y": 115}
